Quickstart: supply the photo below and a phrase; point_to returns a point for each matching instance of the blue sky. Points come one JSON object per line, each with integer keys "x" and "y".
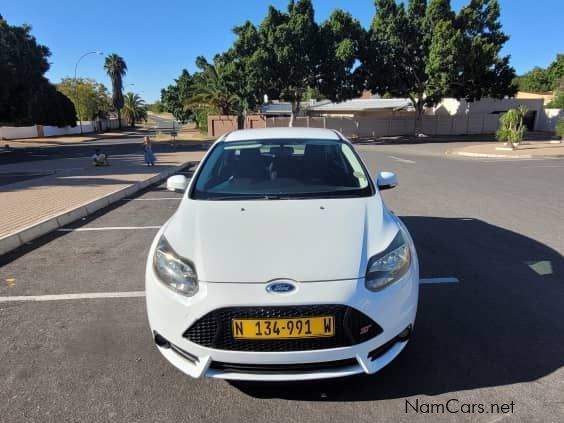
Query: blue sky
{"x": 158, "y": 39}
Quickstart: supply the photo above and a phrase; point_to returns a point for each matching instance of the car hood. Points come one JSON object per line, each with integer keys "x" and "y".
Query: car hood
{"x": 302, "y": 240}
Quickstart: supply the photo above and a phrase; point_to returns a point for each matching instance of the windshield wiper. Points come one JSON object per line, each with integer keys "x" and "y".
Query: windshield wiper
{"x": 323, "y": 195}
{"x": 244, "y": 197}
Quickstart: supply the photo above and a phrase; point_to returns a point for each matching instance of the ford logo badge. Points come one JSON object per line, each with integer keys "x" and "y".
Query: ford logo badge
{"x": 280, "y": 287}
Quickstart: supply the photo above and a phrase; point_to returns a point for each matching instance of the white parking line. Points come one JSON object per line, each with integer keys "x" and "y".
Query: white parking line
{"x": 86, "y": 296}
{"x": 153, "y": 199}
{"x": 107, "y": 228}
{"x": 399, "y": 159}
{"x": 429, "y": 281}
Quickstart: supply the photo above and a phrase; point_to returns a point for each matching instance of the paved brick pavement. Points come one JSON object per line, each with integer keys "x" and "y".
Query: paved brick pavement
{"x": 71, "y": 183}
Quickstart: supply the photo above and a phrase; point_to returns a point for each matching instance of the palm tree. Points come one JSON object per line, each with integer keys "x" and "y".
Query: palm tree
{"x": 116, "y": 68}
{"x": 134, "y": 109}
{"x": 213, "y": 89}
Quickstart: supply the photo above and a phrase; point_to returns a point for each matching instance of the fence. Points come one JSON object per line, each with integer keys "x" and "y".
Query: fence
{"x": 219, "y": 125}
{"x": 39, "y": 131}
{"x": 398, "y": 125}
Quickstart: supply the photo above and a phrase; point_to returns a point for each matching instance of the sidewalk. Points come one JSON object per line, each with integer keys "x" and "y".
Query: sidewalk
{"x": 69, "y": 139}
{"x": 68, "y": 189}
{"x": 526, "y": 150}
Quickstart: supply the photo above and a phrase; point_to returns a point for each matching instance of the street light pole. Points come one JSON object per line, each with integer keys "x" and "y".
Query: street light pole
{"x": 98, "y": 53}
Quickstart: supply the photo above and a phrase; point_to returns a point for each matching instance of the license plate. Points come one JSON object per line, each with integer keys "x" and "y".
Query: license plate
{"x": 301, "y": 327}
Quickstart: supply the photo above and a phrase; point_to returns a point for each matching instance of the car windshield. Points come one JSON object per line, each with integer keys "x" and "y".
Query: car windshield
{"x": 281, "y": 169}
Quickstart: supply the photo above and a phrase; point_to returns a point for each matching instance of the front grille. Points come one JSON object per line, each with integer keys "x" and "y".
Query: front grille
{"x": 282, "y": 368}
{"x": 214, "y": 329}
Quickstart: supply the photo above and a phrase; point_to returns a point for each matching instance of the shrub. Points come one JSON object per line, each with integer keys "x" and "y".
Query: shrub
{"x": 156, "y": 107}
{"x": 512, "y": 128}
{"x": 560, "y": 128}
{"x": 557, "y": 102}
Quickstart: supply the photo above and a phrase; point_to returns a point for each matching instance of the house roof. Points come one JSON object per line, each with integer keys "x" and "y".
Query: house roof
{"x": 358, "y": 105}
{"x": 276, "y": 108}
{"x": 285, "y": 108}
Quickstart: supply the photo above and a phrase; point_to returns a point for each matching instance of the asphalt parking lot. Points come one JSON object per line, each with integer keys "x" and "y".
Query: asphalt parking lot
{"x": 495, "y": 337}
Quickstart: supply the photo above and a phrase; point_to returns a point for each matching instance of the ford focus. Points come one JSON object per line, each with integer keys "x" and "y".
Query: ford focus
{"x": 282, "y": 263}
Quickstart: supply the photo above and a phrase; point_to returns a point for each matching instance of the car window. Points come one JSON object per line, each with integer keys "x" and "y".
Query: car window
{"x": 281, "y": 169}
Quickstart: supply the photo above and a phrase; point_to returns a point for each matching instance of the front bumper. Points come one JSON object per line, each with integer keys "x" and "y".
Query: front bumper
{"x": 393, "y": 309}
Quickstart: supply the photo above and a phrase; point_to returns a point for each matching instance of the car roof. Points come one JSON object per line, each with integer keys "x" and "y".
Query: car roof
{"x": 281, "y": 133}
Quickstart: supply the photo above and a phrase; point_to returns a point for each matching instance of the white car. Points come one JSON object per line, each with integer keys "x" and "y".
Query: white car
{"x": 282, "y": 263}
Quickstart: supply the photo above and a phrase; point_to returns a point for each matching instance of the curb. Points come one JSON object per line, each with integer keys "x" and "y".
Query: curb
{"x": 29, "y": 233}
{"x": 493, "y": 156}
{"x": 501, "y": 156}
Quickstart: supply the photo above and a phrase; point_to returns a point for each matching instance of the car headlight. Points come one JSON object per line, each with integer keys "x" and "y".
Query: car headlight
{"x": 174, "y": 271}
{"x": 389, "y": 266}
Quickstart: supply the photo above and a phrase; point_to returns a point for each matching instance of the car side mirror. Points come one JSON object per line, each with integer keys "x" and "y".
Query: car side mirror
{"x": 386, "y": 180}
{"x": 177, "y": 183}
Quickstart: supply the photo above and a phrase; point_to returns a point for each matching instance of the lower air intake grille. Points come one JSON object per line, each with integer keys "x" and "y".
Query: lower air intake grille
{"x": 214, "y": 329}
{"x": 283, "y": 368}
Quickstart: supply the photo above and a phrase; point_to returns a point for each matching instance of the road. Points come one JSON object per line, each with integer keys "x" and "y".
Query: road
{"x": 130, "y": 143}
{"x": 493, "y": 338}
{"x": 162, "y": 122}
{"x": 133, "y": 144}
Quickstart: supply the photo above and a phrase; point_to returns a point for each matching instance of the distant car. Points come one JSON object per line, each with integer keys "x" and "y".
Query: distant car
{"x": 282, "y": 263}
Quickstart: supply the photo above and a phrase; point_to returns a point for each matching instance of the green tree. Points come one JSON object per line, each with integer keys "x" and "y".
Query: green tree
{"x": 90, "y": 98}
{"x": 174, "y": 97}
{"x": 26, "y": 96}
{"x": 116, "y": 69}
{"x": 557, "y": 102}
{"x": 213, "y": 89}
{"x": 247, "y": 82}
{"x": 134, "y": 109}
{"x": 341, "y": 41}
{"x": 483, "y": 72}
{"x": 50, "y": 107}
{"x": 426, "y": 52}
{"x": 288, "y": 55}
{"x": 534, "y": 81}
{"x": 441, "y": 68}
{"x": 540, "y": 80}
{"x": 555, "y": 73}
{"x": 156, "y": 107}
{"x": 412, "y": 53}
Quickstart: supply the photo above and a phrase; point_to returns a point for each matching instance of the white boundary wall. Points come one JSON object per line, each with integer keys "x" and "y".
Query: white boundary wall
{"x": 11, "y": 132}
{"x": 17, "y": 132}
{"x": 51, "y": 131}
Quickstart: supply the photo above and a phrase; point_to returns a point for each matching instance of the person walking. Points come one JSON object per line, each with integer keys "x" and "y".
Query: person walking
{"x": 148, "y": 151}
